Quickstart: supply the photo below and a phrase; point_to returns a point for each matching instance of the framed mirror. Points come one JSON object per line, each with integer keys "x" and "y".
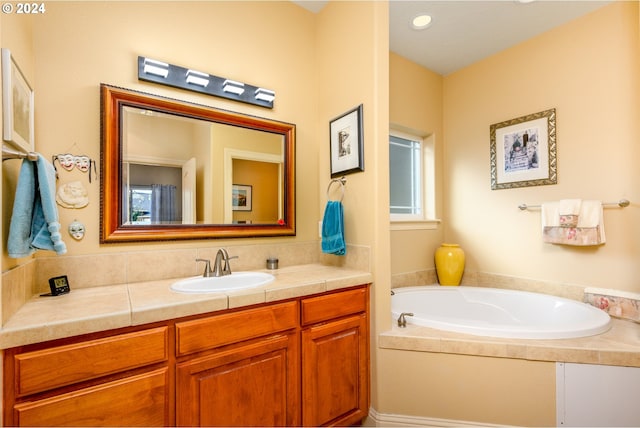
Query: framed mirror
{"x": 177, "y": 170}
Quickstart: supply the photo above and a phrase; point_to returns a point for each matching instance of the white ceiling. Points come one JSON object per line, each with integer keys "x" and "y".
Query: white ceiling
{"x": 465, "y": 31}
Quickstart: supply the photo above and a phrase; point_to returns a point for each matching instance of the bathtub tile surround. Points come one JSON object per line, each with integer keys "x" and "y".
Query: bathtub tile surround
{"x": 611, "y": 348}
{"x": 410, "y": 279}
{"x": 560, "y": 289}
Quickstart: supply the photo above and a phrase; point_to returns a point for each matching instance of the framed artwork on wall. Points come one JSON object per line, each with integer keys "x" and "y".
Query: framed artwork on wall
{"x": 17, "y": 105}
{"x": 523, "y": 151}
{"x": 242, "y": 197}
{"x": 346, "y": 143}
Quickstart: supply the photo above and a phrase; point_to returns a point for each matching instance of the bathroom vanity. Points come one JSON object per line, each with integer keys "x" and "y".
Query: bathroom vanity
{"x": 302, "y": 360}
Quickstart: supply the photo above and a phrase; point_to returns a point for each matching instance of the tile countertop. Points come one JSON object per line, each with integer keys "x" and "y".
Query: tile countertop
{"x": 88, "y": 310}
{"x": 619, "y": 346}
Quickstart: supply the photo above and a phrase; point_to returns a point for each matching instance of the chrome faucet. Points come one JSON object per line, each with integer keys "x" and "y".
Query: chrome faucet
{"x": 222, "y": 256}
{"x": 207, "y": 268}
{"x": 402, "y": 322}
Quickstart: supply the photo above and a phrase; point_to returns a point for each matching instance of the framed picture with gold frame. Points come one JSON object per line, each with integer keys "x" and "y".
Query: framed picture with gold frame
{"x": 523, "y": 151}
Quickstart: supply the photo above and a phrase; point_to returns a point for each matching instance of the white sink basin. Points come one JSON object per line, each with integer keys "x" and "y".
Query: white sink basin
{"x": 235, "y": 281}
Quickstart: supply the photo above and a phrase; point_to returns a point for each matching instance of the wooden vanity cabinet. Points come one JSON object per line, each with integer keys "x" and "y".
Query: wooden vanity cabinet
{"x": 304, "y": 361}
{"x": 120, "y": 380}
{"x": 248, "y": 374}
{"x": 335, "y": 358}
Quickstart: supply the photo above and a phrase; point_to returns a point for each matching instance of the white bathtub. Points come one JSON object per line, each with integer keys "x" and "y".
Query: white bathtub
{"x": 498, "y": 313}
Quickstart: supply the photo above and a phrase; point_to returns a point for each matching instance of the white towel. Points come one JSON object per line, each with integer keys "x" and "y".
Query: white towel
{"x": 569, "y": 210}
{"x": 589, "y": 229}
{"x": 550, "y": 214}
{"x": 592, "y": 216}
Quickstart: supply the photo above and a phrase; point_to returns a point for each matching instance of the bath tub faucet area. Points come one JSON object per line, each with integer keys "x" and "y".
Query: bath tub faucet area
{"x": 402, "y": 322}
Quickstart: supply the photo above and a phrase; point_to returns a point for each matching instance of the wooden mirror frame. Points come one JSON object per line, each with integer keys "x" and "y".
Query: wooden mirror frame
{"x": 112, "y": 229}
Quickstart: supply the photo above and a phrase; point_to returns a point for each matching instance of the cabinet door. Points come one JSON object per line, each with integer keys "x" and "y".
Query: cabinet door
{"x": 335, "y": 372}
{"x": 140, "y": 400}
{"x": 252, "y": 384}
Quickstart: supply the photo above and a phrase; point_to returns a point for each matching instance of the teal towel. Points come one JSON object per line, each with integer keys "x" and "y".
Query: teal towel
{"x": 333, "y": 229}
{"x": 34, "y": 222}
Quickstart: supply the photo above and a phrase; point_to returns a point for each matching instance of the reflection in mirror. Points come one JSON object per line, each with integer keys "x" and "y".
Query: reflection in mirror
{"x": 175, "y": 170}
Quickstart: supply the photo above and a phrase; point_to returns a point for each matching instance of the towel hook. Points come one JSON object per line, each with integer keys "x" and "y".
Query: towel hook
{"x": 342, "y": 181}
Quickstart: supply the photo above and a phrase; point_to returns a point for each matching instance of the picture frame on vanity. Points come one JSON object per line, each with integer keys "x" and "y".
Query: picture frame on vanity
{"x": 242, "y": 197}
{"x": 523, "y": 151}
{"x": 17, "y": 105}
{"x": 347, "y": 143}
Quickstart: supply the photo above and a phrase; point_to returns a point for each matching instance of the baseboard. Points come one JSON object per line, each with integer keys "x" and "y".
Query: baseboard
{"x": 376, "y": 419}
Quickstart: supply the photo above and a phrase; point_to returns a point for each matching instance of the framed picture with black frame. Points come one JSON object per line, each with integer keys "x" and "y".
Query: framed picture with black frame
{"x": 346, "y": 143}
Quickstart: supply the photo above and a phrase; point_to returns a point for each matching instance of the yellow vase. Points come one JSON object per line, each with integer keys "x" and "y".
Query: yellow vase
{"x": 449, "y": 264}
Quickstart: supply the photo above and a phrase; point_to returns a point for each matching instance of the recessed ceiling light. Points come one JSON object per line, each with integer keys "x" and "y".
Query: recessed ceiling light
{"x": 420, "y": 22}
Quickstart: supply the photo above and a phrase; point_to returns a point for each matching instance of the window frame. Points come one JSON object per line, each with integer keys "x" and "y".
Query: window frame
{"x": 426, "y": 220}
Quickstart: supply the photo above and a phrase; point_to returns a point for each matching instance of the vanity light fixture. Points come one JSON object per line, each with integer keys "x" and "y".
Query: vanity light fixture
{"x": 151, "y": 70}
{"x": 265, "y": 95}
{"x": 233, "y": 87}
{"x": 156, "y": 68}
{"x": 197, "y": 78}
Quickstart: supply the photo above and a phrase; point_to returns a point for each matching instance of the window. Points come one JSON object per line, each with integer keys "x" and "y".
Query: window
{"x": 411, "y": 177}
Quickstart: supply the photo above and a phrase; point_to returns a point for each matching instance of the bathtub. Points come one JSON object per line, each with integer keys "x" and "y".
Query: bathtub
{"x": 498, "y": 313}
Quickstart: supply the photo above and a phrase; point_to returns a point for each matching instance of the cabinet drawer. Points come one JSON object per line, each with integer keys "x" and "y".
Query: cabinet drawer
{"x": 64, "y": 365}
{"x": 219, "y": 330}
{"x": 323, "y": 308}
{"x": 134, "y": 401}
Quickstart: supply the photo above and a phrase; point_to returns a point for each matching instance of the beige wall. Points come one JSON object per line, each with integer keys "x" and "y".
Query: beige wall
{"x": 78, "y": 45}
{"x": 15, "y": 34}
{"x": 467, "y": 388}
{"x": 589, "y": 70}
{"x": 415, "y": 106}
{"x": 353, "y": 52}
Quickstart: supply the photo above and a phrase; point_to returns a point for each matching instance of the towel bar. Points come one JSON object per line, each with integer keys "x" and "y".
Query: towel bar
{"x": 342, "y": 181}
{"x": 9, "y": 153}
{"x": 621, "y": 203}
